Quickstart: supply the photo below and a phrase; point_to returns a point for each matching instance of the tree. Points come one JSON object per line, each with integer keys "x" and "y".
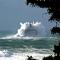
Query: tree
{"x": 53, "y": 9}
{"x": 57, "y": 50}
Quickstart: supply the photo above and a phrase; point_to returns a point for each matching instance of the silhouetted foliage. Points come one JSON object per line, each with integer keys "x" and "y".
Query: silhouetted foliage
{"x": 57, "y": 53}
{"x": 45, "y": 3}
{"x": 55, "y": 14}
{"x": 52, "y": 5}
{"x": 52, "y": 58}
{"x": 30, "y": 58}
{"x": 57, "y": 50}
{"x": 48, "y": 58}
{"x": 53, "y": 9}
{"x": 55, "y": 30}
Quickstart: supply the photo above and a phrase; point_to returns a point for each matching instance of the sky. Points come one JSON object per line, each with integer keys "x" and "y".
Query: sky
{"x": 12, "y": 12}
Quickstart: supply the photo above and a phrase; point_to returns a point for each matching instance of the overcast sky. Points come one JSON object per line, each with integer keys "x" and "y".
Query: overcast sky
{"x": 12, "y": 12}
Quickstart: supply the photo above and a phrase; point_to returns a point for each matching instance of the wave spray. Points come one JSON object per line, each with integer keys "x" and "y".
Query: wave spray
{"x": 28, "y": 30}
{"x": 34, "y": 29}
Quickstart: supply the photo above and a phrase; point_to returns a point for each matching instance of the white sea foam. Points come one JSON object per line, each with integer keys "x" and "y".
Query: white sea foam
{"x": 21, "y": 56}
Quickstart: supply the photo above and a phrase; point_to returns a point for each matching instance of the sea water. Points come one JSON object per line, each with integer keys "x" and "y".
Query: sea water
{"x": 29, "y": 40}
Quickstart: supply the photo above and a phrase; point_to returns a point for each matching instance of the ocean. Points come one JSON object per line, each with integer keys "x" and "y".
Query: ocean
{"x": 20, "y": 45}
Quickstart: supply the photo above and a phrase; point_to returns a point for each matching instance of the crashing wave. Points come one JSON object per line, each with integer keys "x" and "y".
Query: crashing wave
{"x": 27, "y": 30}
{"x": 31, "y": 29}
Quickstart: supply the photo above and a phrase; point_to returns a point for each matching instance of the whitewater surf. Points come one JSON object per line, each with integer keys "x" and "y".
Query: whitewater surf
{"x": 28, "y": 30}
{"x": 29, "y": 40}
